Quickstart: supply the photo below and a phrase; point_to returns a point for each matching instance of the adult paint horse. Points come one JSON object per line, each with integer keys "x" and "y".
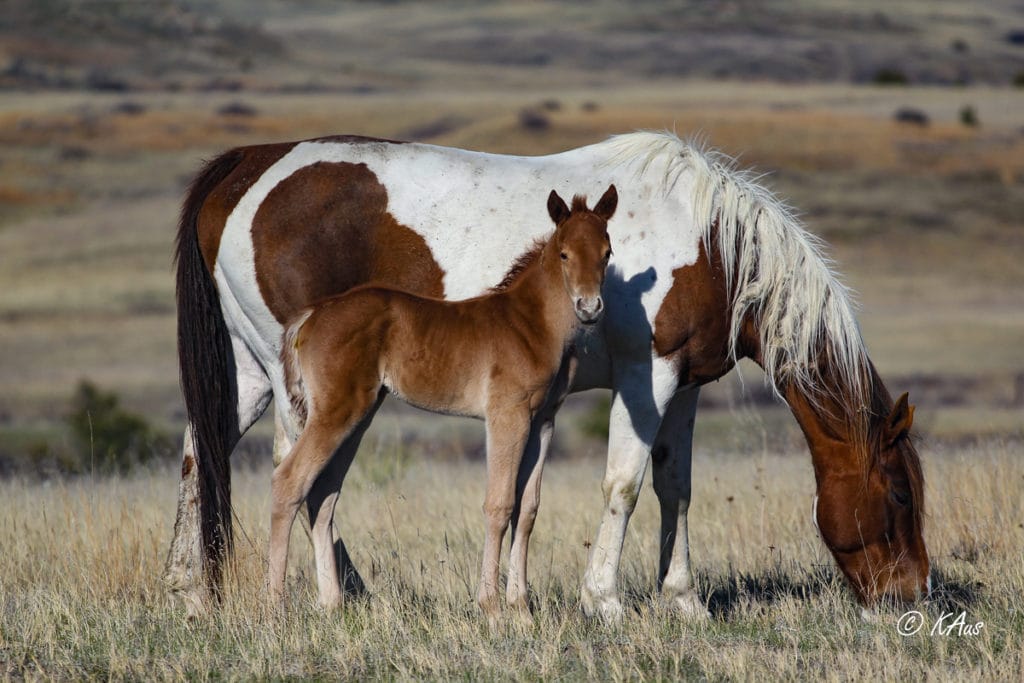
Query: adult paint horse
{"x": 506, "y": 357}
{"x": 710, "y": 267}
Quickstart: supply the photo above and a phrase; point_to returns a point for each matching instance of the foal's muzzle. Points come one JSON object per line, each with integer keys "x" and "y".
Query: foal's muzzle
{"x": 589, "y": 309}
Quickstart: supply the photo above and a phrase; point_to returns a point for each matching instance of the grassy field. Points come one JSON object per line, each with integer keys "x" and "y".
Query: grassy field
{"x": 108, "y": 109}
{"x": 80, "y": 595}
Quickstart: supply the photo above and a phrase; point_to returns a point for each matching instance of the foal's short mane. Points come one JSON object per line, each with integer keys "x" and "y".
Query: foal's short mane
{"x": 524, "y": 261}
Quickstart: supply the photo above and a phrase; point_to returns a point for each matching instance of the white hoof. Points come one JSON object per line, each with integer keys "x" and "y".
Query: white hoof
{"x": 688, "y": 605}
{"x": 607, "y": 608}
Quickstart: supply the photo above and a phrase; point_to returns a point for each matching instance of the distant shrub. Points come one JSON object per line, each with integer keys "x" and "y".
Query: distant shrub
{"x": 911, "y": 116}
{"x": 594, "y": 423}
{"x": 533, "y": 120}
{"x": 968, "y": 116}
{"x": 890, "y": 76}
{"x": 129, "y": 108}
{"x": 590, "y": 106}
{"x": 1015, "y": 37}
{"x": 960, "y": 46}
{"x": 237, "y": 109}
{"x": 551, "y": 105}
{"x": 105, "y": 437}
{"x": 1018, "y": 80}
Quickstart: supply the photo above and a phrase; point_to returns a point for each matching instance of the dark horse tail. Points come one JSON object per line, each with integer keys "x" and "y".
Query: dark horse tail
{"x": 207, "y": 371}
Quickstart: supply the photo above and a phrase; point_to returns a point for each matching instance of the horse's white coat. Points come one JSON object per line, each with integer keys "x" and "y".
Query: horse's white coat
{"x": 478, "y": 212}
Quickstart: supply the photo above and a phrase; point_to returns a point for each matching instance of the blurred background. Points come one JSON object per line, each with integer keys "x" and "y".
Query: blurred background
{"x": 896, "y": 130}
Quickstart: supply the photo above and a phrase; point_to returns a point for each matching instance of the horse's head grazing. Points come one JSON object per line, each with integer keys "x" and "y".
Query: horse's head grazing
{"x": 871, "y": 521}
{"x": 581, "y": 240}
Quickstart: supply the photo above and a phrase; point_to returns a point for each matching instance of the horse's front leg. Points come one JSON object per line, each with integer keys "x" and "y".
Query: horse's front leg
{"x": 508, "y": 429}
{"x": 642, "y": 391}
{"x": 671, "y": 461}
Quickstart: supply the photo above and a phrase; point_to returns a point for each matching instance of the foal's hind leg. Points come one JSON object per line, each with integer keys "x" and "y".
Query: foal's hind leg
{"x": 294, "y": 478}
{"x": 507, "y": 433}
{"x": 320, "y": 506}
{"x": 351, "y": 583}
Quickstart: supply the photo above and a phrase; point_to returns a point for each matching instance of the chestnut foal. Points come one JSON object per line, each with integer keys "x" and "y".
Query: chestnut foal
{"x": 506, "y": 357}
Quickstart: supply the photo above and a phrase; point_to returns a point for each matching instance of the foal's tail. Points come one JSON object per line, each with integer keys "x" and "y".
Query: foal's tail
{"x": 292, "y": 367}
{"x": 207, "y": 371}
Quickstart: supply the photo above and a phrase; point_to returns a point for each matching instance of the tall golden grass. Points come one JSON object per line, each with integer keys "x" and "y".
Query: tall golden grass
{"x": 80, "y": 595}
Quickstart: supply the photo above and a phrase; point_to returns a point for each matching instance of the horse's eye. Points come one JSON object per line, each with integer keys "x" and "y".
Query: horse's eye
{"x": 565, "y": 257}
{"x": 901, "y": 498}
{"x": 607, "y": 254}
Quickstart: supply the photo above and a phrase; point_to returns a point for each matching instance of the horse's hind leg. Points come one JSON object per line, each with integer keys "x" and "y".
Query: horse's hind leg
{"x": 671, "y": 464}
{"x": 185, "y": 570}
{"x": 320, "y": 506}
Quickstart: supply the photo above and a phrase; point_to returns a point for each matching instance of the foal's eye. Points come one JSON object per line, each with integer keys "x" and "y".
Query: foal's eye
{"x": 901, "y": 498}
{"x": 607, "y": 254}
{"x": 565, "y": 257}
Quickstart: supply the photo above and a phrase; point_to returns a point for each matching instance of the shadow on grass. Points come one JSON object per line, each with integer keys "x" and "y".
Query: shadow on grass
{"x": 727, "y": 593}
{"x": 950, "y": 593}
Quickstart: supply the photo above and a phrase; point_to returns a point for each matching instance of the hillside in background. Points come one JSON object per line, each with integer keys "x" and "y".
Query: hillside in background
{"x": 107, "y": 108}
{"x": 313, "y": 45}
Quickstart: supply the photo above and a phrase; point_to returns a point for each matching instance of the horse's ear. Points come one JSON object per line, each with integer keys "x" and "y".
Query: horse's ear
{"x": 606, "y": 206}
{"x": 557, "y": 208}
{"x": 900, "y": 420}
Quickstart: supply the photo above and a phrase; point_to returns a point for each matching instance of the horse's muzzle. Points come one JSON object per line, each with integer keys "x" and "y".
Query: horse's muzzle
{"x": 589, "y": 310}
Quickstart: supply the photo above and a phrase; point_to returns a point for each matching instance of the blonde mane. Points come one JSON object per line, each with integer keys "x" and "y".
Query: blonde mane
{"x": 776, "y": 272}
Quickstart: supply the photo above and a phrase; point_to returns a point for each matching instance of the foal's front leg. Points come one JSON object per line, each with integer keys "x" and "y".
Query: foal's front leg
{"x": 508, "y": 429}
{"x": 528, "y": 493}
{"x": 528, "y": 485}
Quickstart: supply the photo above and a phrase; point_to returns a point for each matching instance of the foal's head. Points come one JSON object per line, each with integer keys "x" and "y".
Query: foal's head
{"x": 581, "y": 242}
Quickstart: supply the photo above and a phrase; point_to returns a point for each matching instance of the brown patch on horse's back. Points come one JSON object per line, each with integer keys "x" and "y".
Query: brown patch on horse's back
{"x": 325, "y": 229}
{"x": 187, "y": 465}
{"x": 223, "y": 199}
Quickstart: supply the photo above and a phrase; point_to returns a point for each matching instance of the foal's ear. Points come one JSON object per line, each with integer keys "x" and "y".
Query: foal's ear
{"x": 557, "y": 208}
{"x": 606, "y": 205}
{"x": 898, "y": 424}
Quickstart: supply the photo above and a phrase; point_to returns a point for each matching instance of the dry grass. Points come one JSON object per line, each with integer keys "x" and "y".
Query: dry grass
{"x": 80, "y": 595}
